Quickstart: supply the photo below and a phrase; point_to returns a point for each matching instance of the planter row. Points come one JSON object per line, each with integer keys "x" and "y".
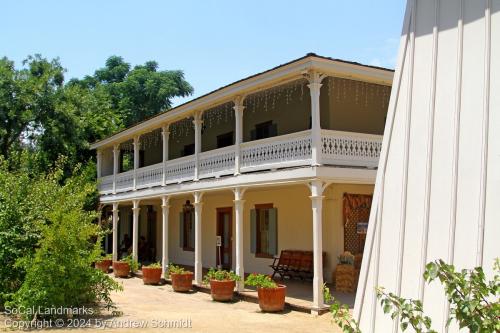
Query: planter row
{"x": 270, "y": 299}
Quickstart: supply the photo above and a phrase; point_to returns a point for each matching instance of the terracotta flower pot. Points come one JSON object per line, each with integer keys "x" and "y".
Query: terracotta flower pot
{"x": 121, "y": 269}
{"x": 151, "y": 275}
{"x": 182, "y": 282}
{"x": 272, "y": 299}
{"x": 222, "y": 291}
{"x": 103, "y": 265}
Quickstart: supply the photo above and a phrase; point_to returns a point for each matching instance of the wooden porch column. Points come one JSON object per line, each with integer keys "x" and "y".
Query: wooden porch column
{"x": 197, "y": 238}
{"x": 135, "y": 229}
{"x": 99, "y": 162}
{"x": 164, "y": 245}
{"x": 314, "y": 85}
{"x": 317, "y": 224}
{"x": 197, "y": 142}
{"x": 115, "y": 231}
{"x": 165, "y": 136}
{"x": 239, "y": 204}
{"x": 238, "y": 116}
{"x": 137, "y": 147}
{"x": 116, "y": 157}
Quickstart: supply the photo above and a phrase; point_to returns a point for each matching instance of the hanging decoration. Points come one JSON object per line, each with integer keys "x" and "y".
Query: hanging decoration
{"x": 222, "y": 113}
{"x": 266, "y": 100}
{"x": 181, "y": 128}
{"x": 151, "y": 139}
{"x": 364, "y": 93}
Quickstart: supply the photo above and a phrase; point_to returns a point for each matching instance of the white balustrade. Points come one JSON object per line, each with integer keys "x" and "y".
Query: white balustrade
{"x": 180, "y": 169}
{"x": 150, "y": 176}
{"x": 218, "y": 162}
{"x": 350, "y": 149}
{"x": 337, "y": 148}
{"x": 106, "y": 184}
{"x": 125, "y": 180}
{"x": 277, "y": 152}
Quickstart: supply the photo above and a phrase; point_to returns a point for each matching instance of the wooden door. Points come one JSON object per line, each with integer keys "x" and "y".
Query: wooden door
{"x": 224, "y": 230}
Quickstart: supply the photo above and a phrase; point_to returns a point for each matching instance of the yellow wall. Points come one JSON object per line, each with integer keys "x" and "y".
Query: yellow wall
{"x": 294, "y": 224}
{"x": 355, "y": 106}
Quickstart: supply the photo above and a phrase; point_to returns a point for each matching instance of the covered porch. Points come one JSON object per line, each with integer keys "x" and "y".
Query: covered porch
{"x": 253, "y": 224}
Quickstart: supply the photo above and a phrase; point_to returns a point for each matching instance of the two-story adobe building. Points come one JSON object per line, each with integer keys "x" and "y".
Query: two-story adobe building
{"x": 272, "y": 162}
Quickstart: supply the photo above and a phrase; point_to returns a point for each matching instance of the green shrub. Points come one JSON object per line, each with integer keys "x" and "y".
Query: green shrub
{"x": 154, "y": 265}
{"x": 220, "y": 275}
{"x": 133, "y": 264}
{"x": 474, "y": 301}
{"x": 260, "y": 281}
{"x": 174, "y": 269}
{"x": 58, "y": 267}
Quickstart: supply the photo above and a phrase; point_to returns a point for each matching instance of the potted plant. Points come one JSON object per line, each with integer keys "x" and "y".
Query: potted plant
{"x": 125, "y": 266}
{"x": 222, "y": 284}
{"x": 104, "y": 264}
{"x": 151, "y": 274}
{"x": 182, "y": 280}
{"x": 271, "y": 295}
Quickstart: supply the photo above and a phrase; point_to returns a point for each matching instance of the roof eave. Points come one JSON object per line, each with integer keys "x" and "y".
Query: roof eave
{"x": 252, "y": 84}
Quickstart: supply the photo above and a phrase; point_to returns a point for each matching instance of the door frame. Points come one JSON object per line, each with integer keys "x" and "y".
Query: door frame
{"x": 228, "y": 210}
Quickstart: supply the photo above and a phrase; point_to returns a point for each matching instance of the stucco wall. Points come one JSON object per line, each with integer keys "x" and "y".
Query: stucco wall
{"x": 294, "y": 224}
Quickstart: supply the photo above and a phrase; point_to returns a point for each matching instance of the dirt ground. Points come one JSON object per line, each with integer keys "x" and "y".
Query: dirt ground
{"x": 159, "y": 309}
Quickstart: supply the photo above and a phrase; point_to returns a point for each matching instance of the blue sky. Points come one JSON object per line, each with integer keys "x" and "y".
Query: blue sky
{"x": 213, "y": 42}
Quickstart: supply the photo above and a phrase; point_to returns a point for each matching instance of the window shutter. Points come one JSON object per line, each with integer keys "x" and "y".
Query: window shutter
{"x": 253, "y": 231}
{"x": 181, "y": 229}
{"x": 273, "y": 231}
{"x": 191, "y": 236}
{"x": 273, "y": 130}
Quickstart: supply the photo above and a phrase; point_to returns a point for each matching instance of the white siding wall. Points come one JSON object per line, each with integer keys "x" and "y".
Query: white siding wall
{"x": 439, "y": 174}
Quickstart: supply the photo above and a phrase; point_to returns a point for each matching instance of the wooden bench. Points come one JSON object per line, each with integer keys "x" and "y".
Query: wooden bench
{"x": 294, "y": 264}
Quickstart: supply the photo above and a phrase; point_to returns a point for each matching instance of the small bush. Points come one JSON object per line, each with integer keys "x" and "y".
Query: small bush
{"x": 174, "y": 269}
{"x": 260, "y": 281}
{"x": 220, "y": 275}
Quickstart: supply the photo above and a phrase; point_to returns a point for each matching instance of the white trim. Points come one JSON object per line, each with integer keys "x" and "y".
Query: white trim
{"x": 262, "y": 179}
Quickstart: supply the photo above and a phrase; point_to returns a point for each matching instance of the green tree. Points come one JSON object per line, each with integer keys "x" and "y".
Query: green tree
{"x": 26, "y": 99}
{"x": 140, "y": 92}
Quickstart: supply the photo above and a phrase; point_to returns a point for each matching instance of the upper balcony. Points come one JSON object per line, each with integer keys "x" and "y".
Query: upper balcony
{"x": 308, "y": 117}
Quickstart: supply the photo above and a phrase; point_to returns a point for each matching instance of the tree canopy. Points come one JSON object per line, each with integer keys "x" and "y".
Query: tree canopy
{"x": 137, "y": 93}
{"x": 41, "y": 114}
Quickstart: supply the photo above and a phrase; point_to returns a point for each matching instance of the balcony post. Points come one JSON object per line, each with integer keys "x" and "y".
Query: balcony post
{"x": 164, "y": 255}
{"x": 197, "y": 142}
{"x": 238, "y": 116}
{"x": 198, "y": 267}
{"x": 137, "y": 147}
{"x": 116, "y": 157}
{"x": 115, "y": 231}
{"x": 317, "y": 187}
{"x": 165, "y": 136}
{"x": 135, "y": 228}
{"x": 239, "y": 204}
{"x": 314, "y": 85}
{"x": 98, "y": 163}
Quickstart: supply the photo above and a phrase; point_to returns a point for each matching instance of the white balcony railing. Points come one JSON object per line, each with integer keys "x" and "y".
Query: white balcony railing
{"x": 218, "y": 162}
{"x": 291, "y": 150}
{"x": 106, "y": 184}
{"x": 277, "y": 152}
{"x": 150, "y": 176}
{"x": 350, "y": 149}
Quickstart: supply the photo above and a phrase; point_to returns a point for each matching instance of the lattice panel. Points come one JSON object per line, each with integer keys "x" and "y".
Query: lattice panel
{"x": 356, "y": 209}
